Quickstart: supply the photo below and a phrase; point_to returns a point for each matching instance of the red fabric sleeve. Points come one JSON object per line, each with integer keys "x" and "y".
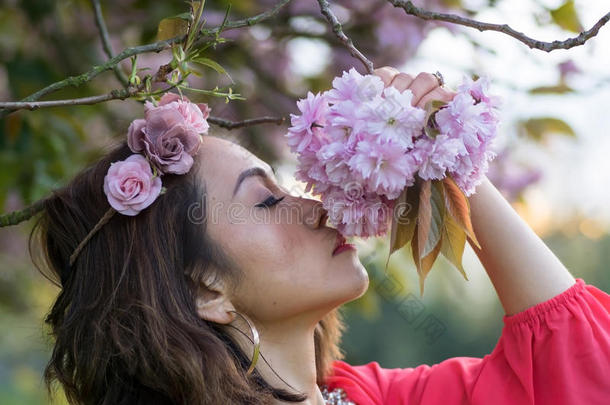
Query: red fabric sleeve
{"x": 554, "y": 353}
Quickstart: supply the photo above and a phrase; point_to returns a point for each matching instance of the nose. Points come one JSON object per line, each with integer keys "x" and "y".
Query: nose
{"x": 315, "y": 215}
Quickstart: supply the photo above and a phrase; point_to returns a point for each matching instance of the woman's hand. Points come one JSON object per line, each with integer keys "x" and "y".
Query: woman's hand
{"x": 424, "y": 86}
{"x": 523, "y": 270}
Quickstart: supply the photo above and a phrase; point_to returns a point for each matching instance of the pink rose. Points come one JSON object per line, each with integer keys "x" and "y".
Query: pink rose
{"x": 170, "y": 133}
{"x": 130, "y": 185}
{"x": 195, "y": 114}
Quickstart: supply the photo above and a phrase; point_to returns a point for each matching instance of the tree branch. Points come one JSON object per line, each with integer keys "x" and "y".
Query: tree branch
{"x": 79, "y": 80}
{"x": 120, "y": 94}
{"x": 410, "y": 9}
{"x": 246, "y": 123}
{"x": 16, "y": 217}
{"x": 338, "y": 30}
{"x": 101, "y": 26}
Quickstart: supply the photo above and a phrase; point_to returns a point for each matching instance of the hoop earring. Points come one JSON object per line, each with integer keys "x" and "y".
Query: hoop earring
{"x": 256, "y": 341}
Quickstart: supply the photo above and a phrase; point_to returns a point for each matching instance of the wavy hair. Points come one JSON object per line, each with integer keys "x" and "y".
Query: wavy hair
{"x": 124, "y": 325}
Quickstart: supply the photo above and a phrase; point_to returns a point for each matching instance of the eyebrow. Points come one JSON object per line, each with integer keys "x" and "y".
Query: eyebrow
{"x": 253, "y": 171}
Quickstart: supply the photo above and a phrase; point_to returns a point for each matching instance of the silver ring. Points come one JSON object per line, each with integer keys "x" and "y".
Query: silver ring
{"x": 439, "y": 77}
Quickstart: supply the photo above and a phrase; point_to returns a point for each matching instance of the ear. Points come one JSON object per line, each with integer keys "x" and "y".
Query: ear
{"x": 213, "y": 303}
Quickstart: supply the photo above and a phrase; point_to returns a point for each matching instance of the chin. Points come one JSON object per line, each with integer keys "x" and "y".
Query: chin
{"x": 359, "y": 282}
{"x": 365, "y": 283}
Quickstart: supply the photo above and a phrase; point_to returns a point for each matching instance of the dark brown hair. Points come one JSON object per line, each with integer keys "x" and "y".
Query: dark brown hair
{"x": 124, "y": 325}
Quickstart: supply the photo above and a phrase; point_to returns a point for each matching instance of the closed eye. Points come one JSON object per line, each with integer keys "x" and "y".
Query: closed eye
{"x": 269, "y": 202}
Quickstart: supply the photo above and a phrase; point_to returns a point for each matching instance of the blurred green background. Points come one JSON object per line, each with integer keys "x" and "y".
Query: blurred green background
{"x": 552, "y": 164}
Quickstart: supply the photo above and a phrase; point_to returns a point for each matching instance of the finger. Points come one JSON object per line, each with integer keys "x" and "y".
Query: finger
{"x": 437, "y": 94}
{"x": 386, "y": 73}
{"x": 402, "y": 81}
{"x": 422, "y": 85}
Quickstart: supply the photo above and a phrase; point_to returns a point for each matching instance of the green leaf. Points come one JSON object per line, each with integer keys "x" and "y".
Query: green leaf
{"x": 224, "y": 21}
{"x": 452, "y": 3}
{"x": 195, "y": 28}
{"x": 560, "y": 88}
{"x": 404, "y": 219}
{"x": 171, "y": 27}
{"x": 537, "y": 128}
{"x": 431, "y": 107}
{"x": 453, "y": 243}
{"x": 566, "y": 17}
{"x": 431, "y": 132}
{"x": 186, "y": 16}
{"x": 209, "y": 63}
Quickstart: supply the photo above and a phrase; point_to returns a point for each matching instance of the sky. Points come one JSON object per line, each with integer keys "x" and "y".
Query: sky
{"x": 577, "y": 170}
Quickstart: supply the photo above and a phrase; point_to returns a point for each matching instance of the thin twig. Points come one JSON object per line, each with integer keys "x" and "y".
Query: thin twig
{"x": 79, "y": 80}
{"x": 253, "y": 20}
{"x": 16, "y": 217}
{"x": 101, "y": 26}
{"x": 246, "y": 123}
{"x": 410, "y": 9}
{"x": 105, "y": 218}
{"x": 336, "y": 26}
{"x": 119, "y": 94}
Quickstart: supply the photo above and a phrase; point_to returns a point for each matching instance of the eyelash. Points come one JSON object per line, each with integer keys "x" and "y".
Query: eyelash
{"x": 266, "y": 203}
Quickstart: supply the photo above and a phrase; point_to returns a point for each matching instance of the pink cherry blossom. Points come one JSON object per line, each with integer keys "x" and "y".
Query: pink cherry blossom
{"x": 333, "y": 157}
{"x": 303, "y": 131}
{"x": 355, "y": 87}
{"x": 438, "y": 155}
{"x": 357, "y": 214}
{"x": 384, "y": 166}
{"x": 392, "y": 117}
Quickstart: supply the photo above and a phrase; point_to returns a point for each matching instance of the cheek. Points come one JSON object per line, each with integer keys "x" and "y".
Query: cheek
{"x": 265, "y": 247}
{"x": 287, "y": 269}
{"x": 277, "y": 268}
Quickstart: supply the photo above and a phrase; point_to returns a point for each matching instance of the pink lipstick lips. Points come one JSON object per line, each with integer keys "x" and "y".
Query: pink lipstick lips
{"x": 342, "y": 245}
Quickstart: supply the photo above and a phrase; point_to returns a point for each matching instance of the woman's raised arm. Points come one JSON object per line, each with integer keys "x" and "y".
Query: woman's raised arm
{"x": 523, "y": 270}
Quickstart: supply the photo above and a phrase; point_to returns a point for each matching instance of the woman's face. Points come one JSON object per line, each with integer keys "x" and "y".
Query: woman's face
{"x": 284, "y": 252}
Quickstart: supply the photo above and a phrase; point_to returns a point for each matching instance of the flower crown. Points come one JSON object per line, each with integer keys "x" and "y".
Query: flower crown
{"x": 164, "y": 141}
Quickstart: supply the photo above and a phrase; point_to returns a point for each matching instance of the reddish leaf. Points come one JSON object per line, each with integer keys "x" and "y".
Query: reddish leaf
{"x": 415, "y": 252}
{"x": 404, "y": 219}
{"x": 458, "y": 207}
{"x": 424, "y": 264}
{"x": 424, "y": 216}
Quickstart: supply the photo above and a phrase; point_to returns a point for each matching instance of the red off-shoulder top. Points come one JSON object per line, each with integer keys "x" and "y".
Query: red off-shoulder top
{"x": 554, "y": 353}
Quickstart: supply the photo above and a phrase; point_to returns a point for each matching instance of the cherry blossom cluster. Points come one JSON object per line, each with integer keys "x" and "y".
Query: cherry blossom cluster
{"x": 359, "y": 144}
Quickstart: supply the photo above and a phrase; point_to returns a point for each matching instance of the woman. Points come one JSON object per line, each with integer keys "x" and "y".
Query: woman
{"x": 164, "y": 307}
